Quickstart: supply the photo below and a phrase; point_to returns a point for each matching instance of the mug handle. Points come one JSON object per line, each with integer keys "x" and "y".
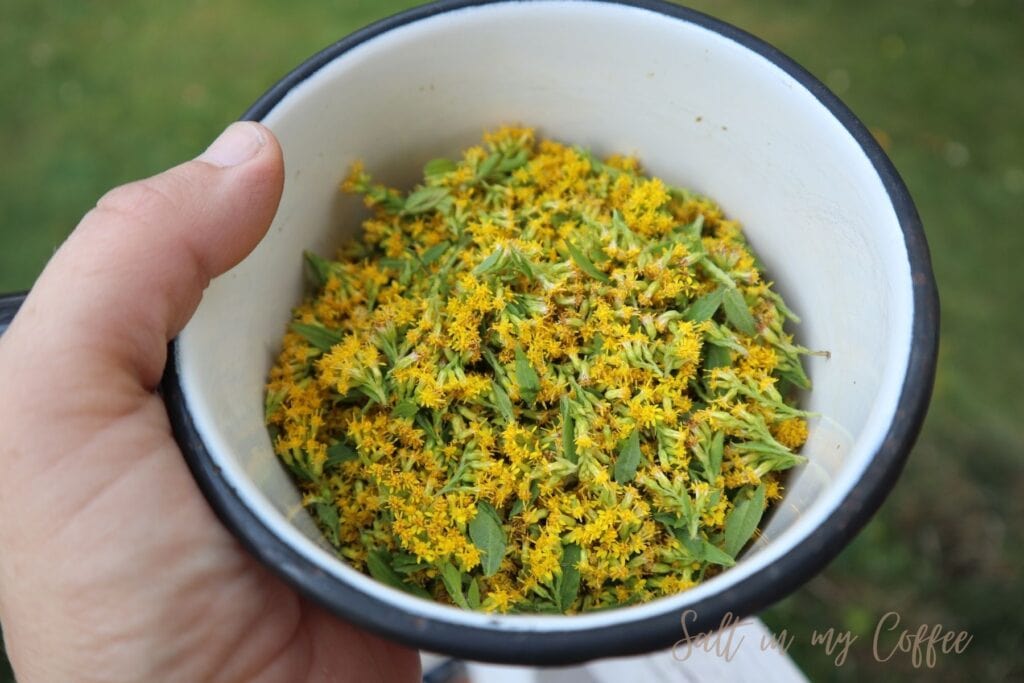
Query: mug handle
{"x": 9, "y": 305}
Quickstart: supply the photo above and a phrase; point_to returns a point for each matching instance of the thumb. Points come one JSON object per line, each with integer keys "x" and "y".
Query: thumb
{"x": 132, "y": 273}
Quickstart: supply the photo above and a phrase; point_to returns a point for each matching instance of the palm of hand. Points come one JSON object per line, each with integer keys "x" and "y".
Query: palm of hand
{"x": 135, "y": 561}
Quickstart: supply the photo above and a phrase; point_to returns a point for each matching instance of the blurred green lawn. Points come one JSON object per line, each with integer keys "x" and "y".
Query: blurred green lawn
{"x": 95, "y": 95}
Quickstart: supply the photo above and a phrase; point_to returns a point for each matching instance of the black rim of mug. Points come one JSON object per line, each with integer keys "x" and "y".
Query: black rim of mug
{"x": 552, "y": 647}
{"x": 9, "y": 305}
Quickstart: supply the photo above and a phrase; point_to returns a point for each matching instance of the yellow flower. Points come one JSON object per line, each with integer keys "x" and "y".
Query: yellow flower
{"x": 498, "y": 600}
{"x": 356, "y": 177}
{"x": 791, "y": 433}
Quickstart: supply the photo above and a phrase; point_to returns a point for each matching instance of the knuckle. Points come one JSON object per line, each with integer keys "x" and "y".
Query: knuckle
{"x": 134, "y": 199}
{"x": 161, "y": 195}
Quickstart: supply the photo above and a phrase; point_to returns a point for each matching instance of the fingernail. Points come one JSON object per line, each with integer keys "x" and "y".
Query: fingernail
{"x": 237, "y": 144}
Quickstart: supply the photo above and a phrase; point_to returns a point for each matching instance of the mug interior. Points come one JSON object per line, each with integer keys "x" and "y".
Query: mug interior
{"x": 699, "y": 110}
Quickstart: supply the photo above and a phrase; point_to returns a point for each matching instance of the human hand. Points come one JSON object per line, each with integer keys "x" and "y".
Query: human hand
{"x": 112, "y": 565}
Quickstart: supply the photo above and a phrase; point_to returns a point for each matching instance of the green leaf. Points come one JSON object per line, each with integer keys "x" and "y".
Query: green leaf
{"x": 515, "y": 307}
{"x": 716, "y": 555}
{"x": 569, "y": 581}
{"x": 585, "y": 264}
{"x": 516, "y": 508}
{"x": 339, "y": 453}
{"x": 318, "y": 335}
{"x": 406, "y": 408}
{"x": 691, "y": 232}
{"x": 435, "y": 252}
{"x": 692, "y": 241}
{"x": 379, "y": 567}
{"x": 490, "y": 262}
{"x": 742, "y": 521}
{"x": 405, "y": 563}
{"x": 502, "y": 402}
{"x": 298, "y": 471}
{"x": 716, "y": 356}
{"x": 738, "y": 313}
{"x": 787, "y": 390}
{"x": 521, "y": 263}
{"x": 703, "y": 551}
{"x": 489, "y": 511}
{"x": 317, "y": 269}
{"x": 274, "y": 432}
{"x": 538, "y": 607}
{"x": 568, "y": 432}
{"x": 385, "y": 197}
{"x": 488, "y": 536}
{"x": 629, "y": 458}
{"x": 703, "y": 308}
{"x": 669, "y": 520}
{"x": 513, "y": 162}
{"x": 715, "y": 452}
{"x": 438, "y": 167}
{"x": 619, "y": 223}
{"x": 526, "y": 377}
{"x": 795, "y": 375}
{"x": 394, "y": 263}
{"x": 272, "y": 402}
{"x": 473, "y": 595}
{"x": 488, "y": 165}
{"x": 452, "y": 579}
{"x": 424, "y": 199}
{"x": 327, "y": 513}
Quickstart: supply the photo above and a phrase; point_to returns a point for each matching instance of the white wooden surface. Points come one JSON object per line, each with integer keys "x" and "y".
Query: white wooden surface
{"x": 748, "y": 662}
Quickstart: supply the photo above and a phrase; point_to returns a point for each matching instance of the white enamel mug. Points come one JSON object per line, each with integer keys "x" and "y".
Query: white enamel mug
{"x": 704, "y": 106}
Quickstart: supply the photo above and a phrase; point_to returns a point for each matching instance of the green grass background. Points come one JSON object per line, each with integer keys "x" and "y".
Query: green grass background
{"x": 94, "y": 95}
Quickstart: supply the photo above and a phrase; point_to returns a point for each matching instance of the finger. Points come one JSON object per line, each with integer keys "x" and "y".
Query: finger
{"x": 133, "y": 271}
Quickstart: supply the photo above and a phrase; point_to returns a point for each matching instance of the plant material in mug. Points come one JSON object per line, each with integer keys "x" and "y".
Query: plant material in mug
{"x": 539, "y": 382}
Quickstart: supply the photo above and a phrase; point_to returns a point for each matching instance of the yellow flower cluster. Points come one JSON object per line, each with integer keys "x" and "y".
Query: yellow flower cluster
{"x": 540, "y": 382}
